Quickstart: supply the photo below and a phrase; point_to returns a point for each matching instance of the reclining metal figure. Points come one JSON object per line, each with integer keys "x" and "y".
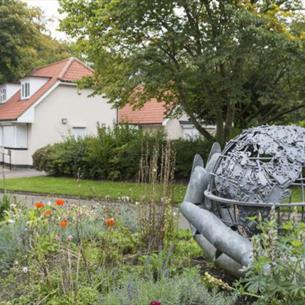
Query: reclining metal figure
{"x": 253, "y": 174}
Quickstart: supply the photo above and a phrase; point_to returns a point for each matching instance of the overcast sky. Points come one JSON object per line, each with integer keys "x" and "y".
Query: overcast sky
{"x": 50, "y": 10}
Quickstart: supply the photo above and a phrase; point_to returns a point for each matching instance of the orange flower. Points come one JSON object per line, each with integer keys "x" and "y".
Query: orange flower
{"x": 39, "y": 205}
{"x": 63, "y": 224}
{"x": 47, "y": 213}
{"x": 109, "y": 222}
{"x": 60, "y": 202}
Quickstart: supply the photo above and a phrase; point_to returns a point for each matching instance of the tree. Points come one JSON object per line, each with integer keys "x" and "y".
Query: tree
{"x": 235, "y": 63}
{"x": 23, "y": 42}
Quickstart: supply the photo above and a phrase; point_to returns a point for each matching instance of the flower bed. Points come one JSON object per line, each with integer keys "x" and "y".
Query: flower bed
{"x": 60, "y": 254}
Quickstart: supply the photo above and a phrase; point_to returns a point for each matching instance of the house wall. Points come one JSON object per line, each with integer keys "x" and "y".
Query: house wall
{"x": 14, "y": 143}
{"x": 176, "y": 130}
{"x": 67, "y": 104}
{"x": 150, "y": 128}
{"x": 14, "y": 156}
{"x": 35, "y": 84}
{"x": 11, "y": 89}
{"x": 173, "y": 129}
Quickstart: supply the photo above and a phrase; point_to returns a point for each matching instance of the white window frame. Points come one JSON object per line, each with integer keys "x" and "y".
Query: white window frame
{"x": 77, "y": 135}
{"x": 3, "y": 95}
{"x": 15, "y": 136}
{"x": 25, "y": 90}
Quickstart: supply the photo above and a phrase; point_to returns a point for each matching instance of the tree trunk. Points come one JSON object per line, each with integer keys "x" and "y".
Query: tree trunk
{"x": 229, "y": 120}
{"x": 188, "y": 111}
{"x": 220, "y": 129}
{"x": 201, "y": 129}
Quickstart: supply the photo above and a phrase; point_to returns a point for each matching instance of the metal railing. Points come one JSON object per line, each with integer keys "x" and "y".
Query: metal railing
{"x": 5, "y": 154}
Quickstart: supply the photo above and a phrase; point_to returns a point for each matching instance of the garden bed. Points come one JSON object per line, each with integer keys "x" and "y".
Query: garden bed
{"x": 58, "y": 254}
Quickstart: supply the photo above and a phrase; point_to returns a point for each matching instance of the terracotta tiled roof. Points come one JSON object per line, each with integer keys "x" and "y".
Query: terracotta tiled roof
{"x": 69, "y": 70}
{"x": 76, "y": 71}
{"x": 152, "y": 112}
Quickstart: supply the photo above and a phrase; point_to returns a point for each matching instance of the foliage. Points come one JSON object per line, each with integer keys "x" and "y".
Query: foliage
{"x": 232, "y": 63}
{"x": 185, "y": 151}
{"x": 59, "y": 254}
{"x": 4, "y": 205}
{"x": 186, "y": 289}
{"x": 277, "y": 273}
{"x": 24, "y": 44}
{"x": 60, "y": 248}
{"x": 114, "y": 154}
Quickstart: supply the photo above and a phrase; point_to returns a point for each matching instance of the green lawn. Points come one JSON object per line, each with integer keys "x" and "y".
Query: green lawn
{"x": 94, "y": 189}
{"x": 85, "y": 188}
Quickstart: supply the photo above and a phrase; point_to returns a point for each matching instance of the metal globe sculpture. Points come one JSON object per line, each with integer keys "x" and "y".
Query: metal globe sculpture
{"x": 260, "y": 169}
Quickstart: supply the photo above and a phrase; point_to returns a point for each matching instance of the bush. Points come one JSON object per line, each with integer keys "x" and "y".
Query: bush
{"x": 4, "y": 205}
{"x": 62, "y": 159}
{"x": 186, "y": 288}
{"x": 277, "y": 274}
{"x": 185, "y": 152}
{"x": 114, "y": 154}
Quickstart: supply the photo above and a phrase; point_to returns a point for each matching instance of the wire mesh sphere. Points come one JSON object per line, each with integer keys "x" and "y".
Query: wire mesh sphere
{"x": 261, "y": 168}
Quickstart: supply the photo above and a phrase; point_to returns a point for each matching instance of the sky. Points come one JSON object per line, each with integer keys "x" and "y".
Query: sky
{"x": 50, "y": 10}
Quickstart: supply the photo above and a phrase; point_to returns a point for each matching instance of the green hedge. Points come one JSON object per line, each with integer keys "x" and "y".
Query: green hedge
{"x": 113, "y": 154}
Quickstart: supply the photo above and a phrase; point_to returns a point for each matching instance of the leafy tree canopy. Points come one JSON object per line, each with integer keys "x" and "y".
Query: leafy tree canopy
{"x": 23, "y": 41}
{"x": 235, "y": 63}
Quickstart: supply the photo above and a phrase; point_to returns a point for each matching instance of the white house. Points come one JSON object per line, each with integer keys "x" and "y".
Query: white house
{"x": 45, "y": 107}
{"x": 152, "y": 116}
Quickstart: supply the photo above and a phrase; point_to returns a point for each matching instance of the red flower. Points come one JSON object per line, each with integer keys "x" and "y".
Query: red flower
{"x": 155, "y": 303}
{"x": 47, "y": 213}
{"x": 38, "y": 205}
{"x": 59, "y": 202}
{"x": 63, "y": 224}
{"x": 109, "y": 222}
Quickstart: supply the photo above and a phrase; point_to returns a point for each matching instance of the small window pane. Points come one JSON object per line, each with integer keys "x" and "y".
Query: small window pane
{"x": 2, "y": 95}
{"x": 25, "y": 90}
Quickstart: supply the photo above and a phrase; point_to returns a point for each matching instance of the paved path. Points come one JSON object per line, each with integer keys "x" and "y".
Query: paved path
{"x": 29, "y": 199}
{"x": 19, "y": 173}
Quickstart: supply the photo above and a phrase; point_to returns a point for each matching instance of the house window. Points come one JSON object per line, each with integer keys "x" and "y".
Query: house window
{"x": 25, "y": 90}
{"x": 79, "y": 132}
{"x": 15, "y": 136}
{"x": 189, "y": 131}
{"x": 2, "y": 95}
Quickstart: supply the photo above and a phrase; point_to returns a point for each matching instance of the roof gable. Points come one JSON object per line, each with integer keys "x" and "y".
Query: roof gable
{"x": 75, "y": 71}
{"x": 70, "y": 70}
{"x": 51, "y": 70}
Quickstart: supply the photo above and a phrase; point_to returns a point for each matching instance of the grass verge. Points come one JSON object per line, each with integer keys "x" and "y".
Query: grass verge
{"x": 84, "y": 188}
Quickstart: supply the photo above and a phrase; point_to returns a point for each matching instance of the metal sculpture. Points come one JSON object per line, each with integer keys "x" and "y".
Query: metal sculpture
{"x": 254, "y": 173}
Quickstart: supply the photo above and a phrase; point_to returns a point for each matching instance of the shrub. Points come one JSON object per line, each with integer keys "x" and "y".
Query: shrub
{"x": 62, "y": 159}
{"x": 277, "y": 274}
{"x": 4, "y": 205}
{"x": 113, "y": 154}
{"x": 186, "y": 288}
{"x": 185, "y": 151}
